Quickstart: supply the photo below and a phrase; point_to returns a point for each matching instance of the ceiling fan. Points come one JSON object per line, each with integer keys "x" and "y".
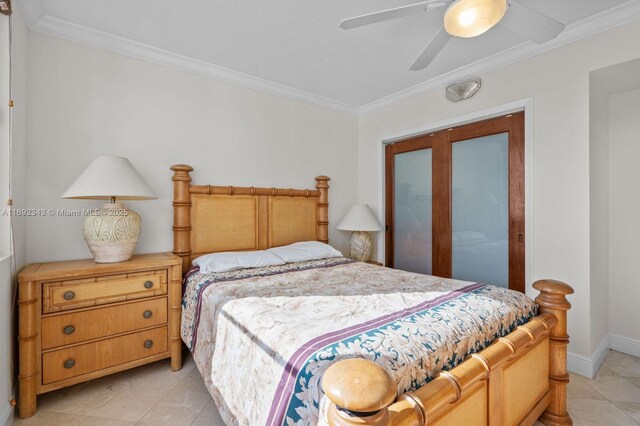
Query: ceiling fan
{"x": 467, "y": 18}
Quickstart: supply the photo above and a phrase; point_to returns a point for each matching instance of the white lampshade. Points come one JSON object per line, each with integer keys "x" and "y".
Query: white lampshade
{"x": 108, "y": 177}
{"x": 470, "y": 18}
{"x": 360, "y": 218}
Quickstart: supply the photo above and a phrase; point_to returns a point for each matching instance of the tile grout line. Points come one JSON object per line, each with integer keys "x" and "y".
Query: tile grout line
{"x": 158, "y": 402}
{"x": 632, "y": 419}
{"x": 201, "y": 411}
{"x": 105, "y": 403}
{"x": 53, "y": 410}
{"x": 588, "y": 381}
{"x": 106, "y": 380}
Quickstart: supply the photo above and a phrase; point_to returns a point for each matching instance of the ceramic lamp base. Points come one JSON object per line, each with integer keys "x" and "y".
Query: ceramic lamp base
{"x": 359, "y": 246}
{"x": 112, "y": 233}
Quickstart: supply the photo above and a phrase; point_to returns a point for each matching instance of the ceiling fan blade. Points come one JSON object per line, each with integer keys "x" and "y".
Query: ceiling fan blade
{"x": 386, "y": 15}
{"x": 530, "y": 23}
{"x": 432, "y": 50}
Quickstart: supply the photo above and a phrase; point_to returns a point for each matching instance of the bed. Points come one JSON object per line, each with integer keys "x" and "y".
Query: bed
{"x": 342, "y": 342}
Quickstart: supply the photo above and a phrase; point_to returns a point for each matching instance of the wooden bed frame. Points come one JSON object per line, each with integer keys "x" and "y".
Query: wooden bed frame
{"x": 209, "y": 219}
{"x": 518, "y": 379}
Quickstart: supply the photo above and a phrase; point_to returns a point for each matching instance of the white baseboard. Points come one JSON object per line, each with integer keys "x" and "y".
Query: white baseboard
{"x": 625, "y": 345}
{"x": 6, "y": 417}
{"x": 600, "y": 354}
{"x": 579, "y": 364}
{"x": 589, "y": 366}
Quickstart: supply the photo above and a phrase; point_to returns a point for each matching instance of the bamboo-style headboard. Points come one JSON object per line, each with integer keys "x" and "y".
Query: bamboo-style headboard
{"x": 209, "y": 219}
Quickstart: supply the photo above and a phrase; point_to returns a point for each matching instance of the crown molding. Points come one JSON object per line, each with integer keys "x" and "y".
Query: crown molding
{"x": 38, "y": 21}
{"x": 608, "y": 19}
{"x": 88, "y": 36}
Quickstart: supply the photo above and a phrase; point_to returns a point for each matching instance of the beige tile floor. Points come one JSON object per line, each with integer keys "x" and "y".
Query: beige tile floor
{"x": 153, "y": 395}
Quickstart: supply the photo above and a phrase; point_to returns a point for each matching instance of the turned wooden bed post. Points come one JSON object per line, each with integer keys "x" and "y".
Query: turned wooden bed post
{"x": 362, "y": 389}
{"x": 322, "y": 185}
{"x": 182, "y": 213}
{"x": 552, "y": 299}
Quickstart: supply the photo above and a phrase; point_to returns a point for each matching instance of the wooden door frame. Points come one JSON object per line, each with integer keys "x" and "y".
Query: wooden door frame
{"x": 441, "y": 143}
{"x": 415, "y": 144}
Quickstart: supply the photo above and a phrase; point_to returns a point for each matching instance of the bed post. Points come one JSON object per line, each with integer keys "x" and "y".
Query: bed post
{"x": 360, "y": 392}
{"x": 552, "y": 299}
{"x": 182, "y": 213}
{"x": 322, "y": 185}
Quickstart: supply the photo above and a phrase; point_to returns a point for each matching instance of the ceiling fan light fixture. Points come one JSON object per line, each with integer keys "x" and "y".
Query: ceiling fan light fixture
{"x": 470, "y": 18}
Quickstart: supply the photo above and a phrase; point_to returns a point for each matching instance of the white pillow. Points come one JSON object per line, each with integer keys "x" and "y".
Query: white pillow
{"x": 306, "y": 250}
{"x": 232, "y": 260}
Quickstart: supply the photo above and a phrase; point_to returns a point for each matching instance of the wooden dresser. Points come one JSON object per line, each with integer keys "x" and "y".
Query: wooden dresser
{"x": 80, "y": 320}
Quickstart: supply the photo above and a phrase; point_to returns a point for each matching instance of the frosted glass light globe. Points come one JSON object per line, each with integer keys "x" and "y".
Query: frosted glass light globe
{"x": 470, "y": 18}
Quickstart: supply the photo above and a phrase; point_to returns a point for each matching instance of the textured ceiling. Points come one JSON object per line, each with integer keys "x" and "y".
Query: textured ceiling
{"x": 297, "y": 43}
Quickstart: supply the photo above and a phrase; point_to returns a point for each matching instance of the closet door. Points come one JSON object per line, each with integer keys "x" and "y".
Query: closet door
{"x": 476, "y": 203}
{"x": 410, "y": 209}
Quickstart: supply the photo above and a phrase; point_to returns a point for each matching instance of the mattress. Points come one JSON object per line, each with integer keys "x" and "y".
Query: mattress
{"x": 262, "y": 338}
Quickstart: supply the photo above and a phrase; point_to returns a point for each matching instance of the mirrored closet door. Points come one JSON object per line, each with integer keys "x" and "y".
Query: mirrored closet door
{"x": 455, "y": 202}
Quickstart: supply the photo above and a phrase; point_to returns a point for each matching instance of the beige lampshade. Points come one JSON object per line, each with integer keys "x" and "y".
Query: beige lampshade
{"x": 470, "y": 18}
{"x": 360, "y": 218}
{"x": 107, "y": 177}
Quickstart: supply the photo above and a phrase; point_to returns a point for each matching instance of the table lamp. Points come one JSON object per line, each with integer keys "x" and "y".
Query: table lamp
{"x": 361, "y": 221}
{"x": 111, "y": 232}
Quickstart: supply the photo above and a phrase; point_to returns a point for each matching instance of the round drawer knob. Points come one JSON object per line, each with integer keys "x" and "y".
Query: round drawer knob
{"x": 148, "y": 284}
{"x": 69, "y": 363}
{"x": 68, "y": 330}
{"x": 147, "y": 314}
{"x": 148, "y": 344}
{"x": 69, "y": 295}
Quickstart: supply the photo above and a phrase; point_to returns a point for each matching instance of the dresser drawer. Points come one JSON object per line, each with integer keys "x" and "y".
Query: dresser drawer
{"x": 82, "y": 359}
{"x": 66, "y": 295}
{"x": 65, "y": 329}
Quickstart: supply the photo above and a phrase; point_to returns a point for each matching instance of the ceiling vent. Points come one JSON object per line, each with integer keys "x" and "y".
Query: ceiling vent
{"x": 462, "y": 90}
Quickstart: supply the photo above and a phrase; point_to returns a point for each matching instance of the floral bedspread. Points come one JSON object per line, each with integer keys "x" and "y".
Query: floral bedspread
{"x": 262, "y": 338}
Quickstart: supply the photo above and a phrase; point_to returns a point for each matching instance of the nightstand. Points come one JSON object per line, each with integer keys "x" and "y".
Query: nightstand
{"x": 80, "y": 320}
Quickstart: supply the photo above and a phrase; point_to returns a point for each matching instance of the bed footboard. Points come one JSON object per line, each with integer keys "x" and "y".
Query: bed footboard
{"x": 516, "y": 380}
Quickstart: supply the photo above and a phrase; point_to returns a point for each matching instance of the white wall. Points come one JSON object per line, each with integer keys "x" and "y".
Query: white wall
{"x": 85, "y": 102}
{"x": 605, "y": 85}
{"x": 6, "y": 337}
{"x": 599, "y": 208}
{"x": 4, "y": 129}
{"x": 20, "y": 70}
{"x": 9, "y": 265}
{"x": 558, "y": 82}
{"x": 624, "y": 122}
